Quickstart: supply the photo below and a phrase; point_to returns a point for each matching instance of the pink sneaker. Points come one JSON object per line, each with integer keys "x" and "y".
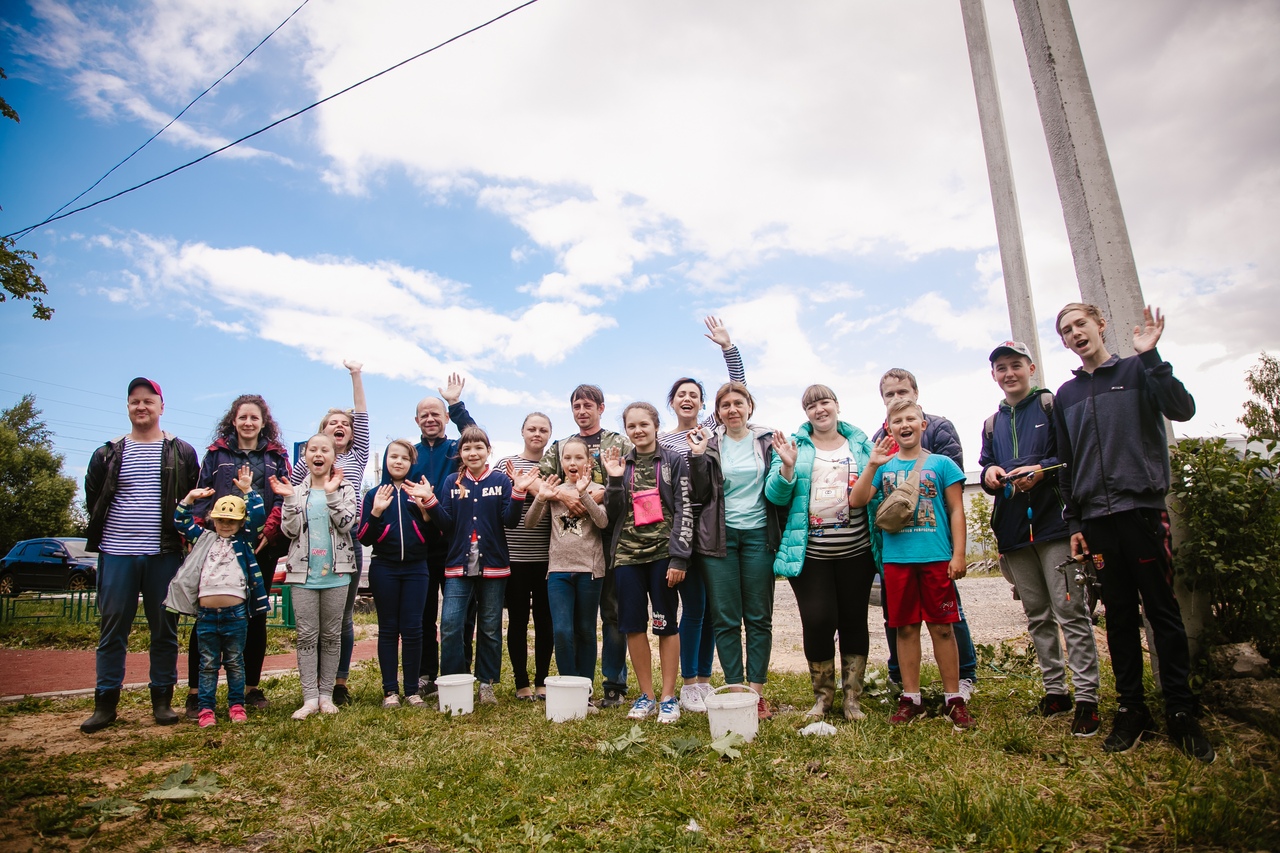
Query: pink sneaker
{"x": 237, "y": 714}
{"x": 207, "y": 718}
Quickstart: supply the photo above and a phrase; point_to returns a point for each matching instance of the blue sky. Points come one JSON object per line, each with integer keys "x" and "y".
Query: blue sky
{"x": 561, "y": 197}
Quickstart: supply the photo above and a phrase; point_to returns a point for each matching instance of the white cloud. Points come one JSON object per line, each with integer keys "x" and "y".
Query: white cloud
{"x": 403, "y": 323}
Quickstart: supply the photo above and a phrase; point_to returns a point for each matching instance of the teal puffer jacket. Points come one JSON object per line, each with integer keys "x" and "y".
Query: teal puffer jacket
{"x": 794, "y": 496}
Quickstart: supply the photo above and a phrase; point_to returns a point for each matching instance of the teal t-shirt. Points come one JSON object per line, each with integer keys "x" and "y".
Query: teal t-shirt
{"x": 320, "y": 573}
{"x": 744, "y": 475}
{"x": 927, "y": 539}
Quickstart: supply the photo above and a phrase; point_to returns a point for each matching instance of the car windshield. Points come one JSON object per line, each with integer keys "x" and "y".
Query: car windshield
{"x": 75, "y": 547}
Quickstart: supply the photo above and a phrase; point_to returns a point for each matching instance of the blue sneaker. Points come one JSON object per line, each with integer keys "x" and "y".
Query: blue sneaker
{"x": 669, "y": 710}
{"x": 643, "y": 707}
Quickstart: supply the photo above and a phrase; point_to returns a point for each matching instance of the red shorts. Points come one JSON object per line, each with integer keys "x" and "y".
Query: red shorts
{"x": 920, "y": 592}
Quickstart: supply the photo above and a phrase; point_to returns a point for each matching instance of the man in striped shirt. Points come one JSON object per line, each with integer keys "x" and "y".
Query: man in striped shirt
{"x": 131, "y": 488}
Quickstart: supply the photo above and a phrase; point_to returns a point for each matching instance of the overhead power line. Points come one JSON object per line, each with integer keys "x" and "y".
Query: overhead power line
{"x": 153, "y": 136}
{"x": 280, "y": 121}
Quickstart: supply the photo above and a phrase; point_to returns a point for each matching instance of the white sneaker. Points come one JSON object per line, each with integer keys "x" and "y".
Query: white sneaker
{"x": 705, "y": 689}
{"x": 414, "y": 700}
{"x": 668, "y": 710}
{"x": 391, "y": 700}
{"x": 691, "y": 698}
{"x": 327, "y": 706}
{"x": 308, "y": 708}
{"x": 486, "y": 694}
{"x": 966, "y": 689}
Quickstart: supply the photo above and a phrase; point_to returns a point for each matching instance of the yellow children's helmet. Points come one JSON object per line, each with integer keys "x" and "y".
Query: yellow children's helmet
{"x": 229, "y": 507}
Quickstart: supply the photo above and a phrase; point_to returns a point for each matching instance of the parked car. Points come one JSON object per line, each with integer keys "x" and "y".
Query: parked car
{"x": 48, "y": 564}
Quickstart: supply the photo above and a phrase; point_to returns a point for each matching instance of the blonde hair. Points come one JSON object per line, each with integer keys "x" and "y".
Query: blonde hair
{"x": 1090, "y": 310}
{"x": 814, "y": 393}
{"x": 900, "y": 403}
{"x": 346, "y": 413}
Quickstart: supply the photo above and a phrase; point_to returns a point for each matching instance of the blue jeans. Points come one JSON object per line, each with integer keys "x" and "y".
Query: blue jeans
{"x": 964, "y": 641}
{"x": 348, "y": 642}
{"x": 697, "y": 635}
{"x": 223, "y": 631}
{"x": 120, "y": 580}
{"x": 613, "y": 643}
{"x": 574, "y": 598}
{"x": 489, "y": 593}
{"x": 399, "y": 594}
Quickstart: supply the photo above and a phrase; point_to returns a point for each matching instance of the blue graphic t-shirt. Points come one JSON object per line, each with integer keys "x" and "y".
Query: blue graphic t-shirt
{"x": 320, "y": 573}
{"x": 927, "y": 539}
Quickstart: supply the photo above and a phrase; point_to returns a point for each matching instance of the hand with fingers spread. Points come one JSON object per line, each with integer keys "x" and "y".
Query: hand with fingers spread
{"x": 786, "y": 450}
{"x": 334, "y": 482}
{"x": 883, "y": 450}
{"x": 718, "y": 333}
{"x": 583, "y": 483}
{"x": 611, "y": 461}
{"x": 279, "y": 486}
{"x": 1147, "y": 335}
{"x": 697, "y": 438}
{"x": 522, "y": 480}
{"x": 452, "y": 392}
{"x": 421, "y": 491}
{"x": 244, "y": 479}
{"x": 382, "y": 499}
{"x": 197, "y": 495}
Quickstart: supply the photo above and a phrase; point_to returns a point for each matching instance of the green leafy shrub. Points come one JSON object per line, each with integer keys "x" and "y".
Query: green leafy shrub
{"x": 1229, "y": 502}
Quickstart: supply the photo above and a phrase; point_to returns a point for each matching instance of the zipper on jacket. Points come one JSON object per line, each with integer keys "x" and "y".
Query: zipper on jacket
{"x": 1097, "y": 435}
{"x": 400, "y": 521}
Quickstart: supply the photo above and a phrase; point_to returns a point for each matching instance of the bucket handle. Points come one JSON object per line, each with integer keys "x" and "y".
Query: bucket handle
{"x": 749, "y": 689}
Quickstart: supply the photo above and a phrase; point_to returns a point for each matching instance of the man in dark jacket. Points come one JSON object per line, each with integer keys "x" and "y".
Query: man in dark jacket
{"x": 1020, "y": 470}
{"x": 1112, "y": 442}
{"x": 131, "y": 488}
{"x": 437, "y": 459}
{"x": 940, "y": 436}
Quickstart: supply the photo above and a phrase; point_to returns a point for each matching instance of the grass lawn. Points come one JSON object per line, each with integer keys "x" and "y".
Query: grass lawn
{"x": 505, "y": 779}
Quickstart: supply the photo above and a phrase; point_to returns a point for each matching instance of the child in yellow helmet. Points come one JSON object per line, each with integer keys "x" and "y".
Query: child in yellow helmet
{"x": 221, "y": 585}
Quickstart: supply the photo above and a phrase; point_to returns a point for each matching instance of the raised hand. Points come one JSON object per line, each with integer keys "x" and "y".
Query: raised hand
{"x": 583, "y": 483}
{"x": 786, "y": 450}
{"x": 452, "y": 392}
{"x": 382, "y": 498}
{"x": 1147, "y": 335}
{"x": 279, "y": 486}
{"x": 719, "y": 333}
{"x": 697, "y": 438}
{"x": 523, "y": 480}
{"x": 196, "y": 495}
{"x": 353, "y": 366}
{"x": 611, "y": 461}
{"x": 420, "y": 491}
{"x": 882, "y": 451}
{"x": 334, "y": 482}
{"x": 244, "y": 479}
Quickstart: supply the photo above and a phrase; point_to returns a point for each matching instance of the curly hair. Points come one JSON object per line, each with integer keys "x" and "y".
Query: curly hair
{"x": 226, "y": 427}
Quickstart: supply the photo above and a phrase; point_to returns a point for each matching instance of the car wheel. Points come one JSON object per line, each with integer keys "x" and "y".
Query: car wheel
{"x": 8, "y": 585}
{"x": 77, "y": 582}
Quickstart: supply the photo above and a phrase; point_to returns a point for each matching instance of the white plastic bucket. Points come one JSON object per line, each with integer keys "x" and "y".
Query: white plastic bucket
{"x": 567, "y": 697}
{"x": 733, "y": 712}
{"x": 457, "y": 694}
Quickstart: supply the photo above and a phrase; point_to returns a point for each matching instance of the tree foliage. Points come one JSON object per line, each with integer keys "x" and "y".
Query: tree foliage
{"x": 1229, "y": 503}
{"x": 1261, "y": 418}
{"x": 977, "y": 517}
{"x": 35, "y": 498}
{"x": 18, "y": 278}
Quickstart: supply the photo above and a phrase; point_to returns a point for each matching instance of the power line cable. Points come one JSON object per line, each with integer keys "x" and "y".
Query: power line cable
{"x": 153, "y": 136}
{"x": 279, "y": 121}
{"x": 98, "y": 393}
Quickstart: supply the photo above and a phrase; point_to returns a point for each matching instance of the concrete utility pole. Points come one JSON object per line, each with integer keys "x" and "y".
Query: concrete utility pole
{"x": 1090, "y": 202}
{"x": 1004, "y": 198}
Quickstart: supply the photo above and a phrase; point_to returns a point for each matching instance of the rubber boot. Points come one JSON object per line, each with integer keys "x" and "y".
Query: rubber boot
{"x": 823, "y": 675}
{"x": 104, "y": 711}
{"x": 853, "y": 669}
{"x": 162, "y": 706}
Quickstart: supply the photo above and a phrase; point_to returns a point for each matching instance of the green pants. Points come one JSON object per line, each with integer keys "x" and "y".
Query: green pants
{"x": 740, "y": 593}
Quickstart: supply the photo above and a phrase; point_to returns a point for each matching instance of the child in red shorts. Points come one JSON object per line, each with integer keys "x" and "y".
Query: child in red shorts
{"x": 922, "y": 559}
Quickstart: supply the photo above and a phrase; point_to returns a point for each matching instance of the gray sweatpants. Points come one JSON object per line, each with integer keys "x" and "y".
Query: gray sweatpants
{"x": 318, "y": 613}
{"x": 1043, "y": 590}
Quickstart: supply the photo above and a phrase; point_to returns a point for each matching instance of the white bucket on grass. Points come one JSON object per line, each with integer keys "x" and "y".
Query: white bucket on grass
{"x": 567, "y": 697}
{"x": 457, "y": 693}
{"x": 733, "y": 712}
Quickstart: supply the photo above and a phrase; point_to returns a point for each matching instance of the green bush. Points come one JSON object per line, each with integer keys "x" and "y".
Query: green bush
{"x": 1229, "y": 502}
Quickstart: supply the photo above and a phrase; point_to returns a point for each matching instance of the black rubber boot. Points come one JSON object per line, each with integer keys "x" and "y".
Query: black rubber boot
{"x": 162, "y": 706}
{"x": 104, "y": 711}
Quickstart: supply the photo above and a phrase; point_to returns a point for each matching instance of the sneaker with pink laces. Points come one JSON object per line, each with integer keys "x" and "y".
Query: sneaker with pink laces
{"x": 238, "y": 714}
{"x": 907, "y": 711}
{"x": 958, "y": 713}
{"x": 207, "y": 718}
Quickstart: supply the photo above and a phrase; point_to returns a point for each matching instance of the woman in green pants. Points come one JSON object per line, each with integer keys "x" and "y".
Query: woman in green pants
{"x": 737, "y": 535}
